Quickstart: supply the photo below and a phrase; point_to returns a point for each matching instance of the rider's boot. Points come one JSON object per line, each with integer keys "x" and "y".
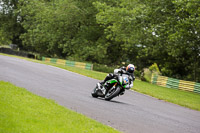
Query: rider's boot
{"x": 108, "y": 77}
{"x": 102, "y": 83}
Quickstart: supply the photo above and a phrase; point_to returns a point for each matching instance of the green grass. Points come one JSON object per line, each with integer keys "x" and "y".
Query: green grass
{"x": 183, "y": 98}
{"x": 21, "y": 111}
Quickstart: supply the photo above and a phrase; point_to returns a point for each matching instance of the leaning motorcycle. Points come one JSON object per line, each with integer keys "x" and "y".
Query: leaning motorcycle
{"x": 114, "y": 87}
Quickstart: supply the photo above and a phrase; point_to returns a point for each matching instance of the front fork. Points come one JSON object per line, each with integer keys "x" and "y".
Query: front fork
{"x": 122, "y": 90}
{"x": 110, "y": 88}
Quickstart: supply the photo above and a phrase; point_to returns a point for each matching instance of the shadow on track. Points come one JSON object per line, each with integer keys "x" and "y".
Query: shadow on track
{"x": 111, "y": 101}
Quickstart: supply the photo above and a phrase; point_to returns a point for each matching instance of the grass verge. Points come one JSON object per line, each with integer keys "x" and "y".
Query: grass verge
{"x": 184, "y": 98}
{"x": 187, "y": 99}
{"x": 24, "y": 112}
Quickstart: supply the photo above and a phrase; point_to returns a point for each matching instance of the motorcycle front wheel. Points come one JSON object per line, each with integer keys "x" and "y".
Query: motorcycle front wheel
{"x": 113, "y": 92}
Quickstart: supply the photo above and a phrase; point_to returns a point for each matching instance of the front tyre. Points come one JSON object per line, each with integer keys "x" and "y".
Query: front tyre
{"x": 112, "y": 93}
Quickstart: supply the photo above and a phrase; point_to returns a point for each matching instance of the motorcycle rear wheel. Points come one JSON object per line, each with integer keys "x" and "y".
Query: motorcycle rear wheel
{"x": 94, "y": 93}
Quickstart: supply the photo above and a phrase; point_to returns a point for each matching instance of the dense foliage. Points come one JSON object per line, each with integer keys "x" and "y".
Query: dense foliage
{"x": 109, "y": 32}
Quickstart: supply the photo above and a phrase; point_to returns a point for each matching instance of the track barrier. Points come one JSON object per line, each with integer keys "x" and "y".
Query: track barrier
{"x": 82, "y": 65}
{"x": 175, "y": 83}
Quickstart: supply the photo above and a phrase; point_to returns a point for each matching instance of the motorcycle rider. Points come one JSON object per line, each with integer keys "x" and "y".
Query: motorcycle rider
{"x": 129, "y": 70}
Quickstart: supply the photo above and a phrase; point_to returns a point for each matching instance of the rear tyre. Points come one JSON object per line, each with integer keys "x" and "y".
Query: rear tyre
{"x": 112, "y": 93}
{"x": 94, "y": 93}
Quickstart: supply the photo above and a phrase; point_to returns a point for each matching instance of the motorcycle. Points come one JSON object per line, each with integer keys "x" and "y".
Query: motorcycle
{"x": 114, "y": 87}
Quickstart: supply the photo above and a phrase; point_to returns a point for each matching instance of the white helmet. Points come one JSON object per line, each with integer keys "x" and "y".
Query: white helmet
{"x": 130, "y": 68}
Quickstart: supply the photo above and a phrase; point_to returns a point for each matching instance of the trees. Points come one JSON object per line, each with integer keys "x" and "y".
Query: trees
{"x": 109, "y": 32}
{"x": 165, "y": 32}
{"x": 10, "y": 28}
{"x": 186, "y": 37}
{"x": 50, "y": 26}
{"x": 65, "y": 29}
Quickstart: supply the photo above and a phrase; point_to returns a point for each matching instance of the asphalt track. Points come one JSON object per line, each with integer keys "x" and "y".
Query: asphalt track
{"x": 131, "y": 113}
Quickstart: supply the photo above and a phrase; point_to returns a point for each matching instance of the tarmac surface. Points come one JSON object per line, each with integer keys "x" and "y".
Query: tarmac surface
{"x": 131, "y": 113}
